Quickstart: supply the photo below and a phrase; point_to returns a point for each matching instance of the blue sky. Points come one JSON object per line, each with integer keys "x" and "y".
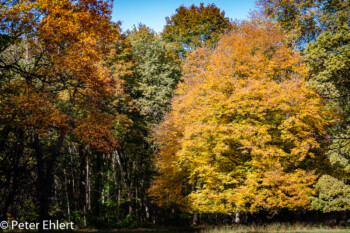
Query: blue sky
{"x": 153, "y": 12}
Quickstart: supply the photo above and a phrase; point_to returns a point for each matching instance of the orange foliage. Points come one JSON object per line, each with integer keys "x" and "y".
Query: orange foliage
{"x": 31, "y": 111}
{"x": 242, "y": 128}
{"x": 68, "y": 44}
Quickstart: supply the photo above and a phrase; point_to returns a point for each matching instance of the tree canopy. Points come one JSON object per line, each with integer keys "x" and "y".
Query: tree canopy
{"x": 334, "y": 195}
{"x": 157, "y": 73}
{"x": 244, "y": 130}
{"x": 194, "y": 27}
{"x": 55, "y": 83}
{"x": 206, "y": 119}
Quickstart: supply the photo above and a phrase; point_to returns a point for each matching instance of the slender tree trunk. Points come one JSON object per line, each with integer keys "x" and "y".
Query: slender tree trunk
{"x": 82, "y": 181}
{"x": 16, "y": 173}
{"x": 45, "y": 178}
{"x": 237, "y": 218}
{"x": 42, "y": 187}
{"x": 195, "y": 219}
{"x": 74, "y": 205}
{"x": 87, "y": 182}
{"x": 66, "y": 193}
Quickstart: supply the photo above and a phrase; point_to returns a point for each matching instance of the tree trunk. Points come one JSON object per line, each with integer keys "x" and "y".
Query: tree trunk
{"x": 195, "y": 219}
{"x": 237, "y": 218}
{"x": 42, "y": 187}
{"x": 45, "y": 177}
{"x": 66, "y": 193}
{"x": 16, "y": 173}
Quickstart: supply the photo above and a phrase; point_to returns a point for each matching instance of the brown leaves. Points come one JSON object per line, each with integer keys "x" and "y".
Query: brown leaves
{"x": 62, "y": 72}
{"x": 32, "y": 111}
{"x": 95, "y": 130}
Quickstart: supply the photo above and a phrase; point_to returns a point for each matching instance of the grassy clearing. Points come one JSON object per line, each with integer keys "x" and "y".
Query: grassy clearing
{"x": 277, "y": 227}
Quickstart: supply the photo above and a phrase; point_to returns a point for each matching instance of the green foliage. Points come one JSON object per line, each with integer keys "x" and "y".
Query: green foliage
{"x": 329, "y": 64}
{"x": 127, "y": 222}
{"x": 157, "y": 73}
{"x": 77, "y": 218}
{"x": 297, "y": 17}
{"x": 194, "y": 27}
{"x": 329, "y": 61}
{"x": 339, "y": 151}
{"x": 303, "y": 20}
{"x": 334, "y": 195}
{"x": 28, "y": 212}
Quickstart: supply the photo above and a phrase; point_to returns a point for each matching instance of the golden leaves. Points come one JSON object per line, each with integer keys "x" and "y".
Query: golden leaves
{"x": 241, "y": 125}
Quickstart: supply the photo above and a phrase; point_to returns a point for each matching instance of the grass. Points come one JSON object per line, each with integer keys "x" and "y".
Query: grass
{"x": 273, "y": 228}
{"x": 277, "y": 227}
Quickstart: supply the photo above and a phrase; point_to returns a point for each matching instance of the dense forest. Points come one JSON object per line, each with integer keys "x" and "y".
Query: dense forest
{"x": 211, "y": 121}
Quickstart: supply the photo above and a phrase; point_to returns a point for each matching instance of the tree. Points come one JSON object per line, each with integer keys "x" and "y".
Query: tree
{"x": 298, "y": 18}
{"x": 303, "y": 20}
{"x": 329, "y": 61}
{"x": 194, "y": 27}
{"x": 244, "y": 130}
{"x": 328, "y": 58}
{"x": 334, "y": 195}
{"x": 322, "y": 27}
{"x": 58, "y": 83}
{"x": 157, "y": 73}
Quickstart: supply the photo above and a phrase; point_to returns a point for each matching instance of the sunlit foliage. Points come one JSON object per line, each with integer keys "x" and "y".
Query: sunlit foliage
{"x": 244, "y": 131}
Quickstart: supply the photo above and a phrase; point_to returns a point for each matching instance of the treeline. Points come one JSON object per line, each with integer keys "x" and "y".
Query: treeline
{"x": 210, "y": 119}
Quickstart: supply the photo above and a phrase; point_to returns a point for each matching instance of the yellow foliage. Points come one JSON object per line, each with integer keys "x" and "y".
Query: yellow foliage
{"x": 242, "y": 128}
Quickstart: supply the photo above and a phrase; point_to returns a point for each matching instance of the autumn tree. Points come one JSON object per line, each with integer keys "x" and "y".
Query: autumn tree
{"x": 244, "y": 130}
{"x": 321, "y": 29}
{"x": 195, "y": 26}
{"x": 57, "y": 83}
